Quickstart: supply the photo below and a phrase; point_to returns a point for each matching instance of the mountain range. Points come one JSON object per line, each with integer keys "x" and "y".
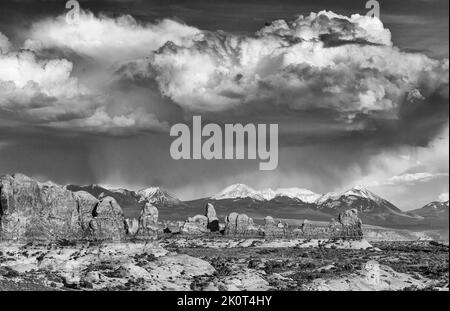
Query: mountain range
{"x": 435, "y": 214}
{"x": 302, "y": 203}
{"x": 243, "y": 191}
{"x": 285, "y": 203}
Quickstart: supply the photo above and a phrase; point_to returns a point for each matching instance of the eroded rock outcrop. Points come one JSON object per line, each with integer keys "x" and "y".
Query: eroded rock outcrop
{"x": 213, "y": 221}
{"x": 195, "y": 225}
{"x": 240, "y": 224}
{"x": 351, "y": 224}
{"x": 33, "y": 210}
{"x": 271, "y": 229}
{"x": 30, "y": 210}
{"x": 173, "y": 227}
{"x": 148, "y": 221}
{"x": 108, "y": 221}
{"x": 347, "y": 226}
{"x": 86, "y": 203}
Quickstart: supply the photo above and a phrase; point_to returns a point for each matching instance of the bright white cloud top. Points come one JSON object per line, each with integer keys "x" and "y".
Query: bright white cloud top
{"x": 321, "y": 61}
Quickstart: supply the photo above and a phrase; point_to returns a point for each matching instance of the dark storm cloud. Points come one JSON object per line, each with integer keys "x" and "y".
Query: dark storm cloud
{"x": 333, "y": 122}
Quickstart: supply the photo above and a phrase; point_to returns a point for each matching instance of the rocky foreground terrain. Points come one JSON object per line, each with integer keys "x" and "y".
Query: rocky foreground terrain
{"x": 225, "y": 264}
{"x": 52, "y": 238}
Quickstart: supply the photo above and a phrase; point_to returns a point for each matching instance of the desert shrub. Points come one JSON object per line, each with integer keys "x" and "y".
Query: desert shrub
{"x": 7, "y": 272}
{"x": 66, "y": 243}
{"x": 222, "y": 268}
{"x": 273, "y": 266}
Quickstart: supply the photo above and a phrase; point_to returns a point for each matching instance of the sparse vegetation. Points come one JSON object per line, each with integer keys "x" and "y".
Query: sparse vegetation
{"x": 284, "y": 268}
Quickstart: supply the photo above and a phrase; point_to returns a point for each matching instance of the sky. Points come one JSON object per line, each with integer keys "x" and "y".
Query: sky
{"x": 358, "y": 100}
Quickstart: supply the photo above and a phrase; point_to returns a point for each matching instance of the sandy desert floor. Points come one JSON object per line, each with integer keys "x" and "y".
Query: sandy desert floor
{"x": 214, "y": 263}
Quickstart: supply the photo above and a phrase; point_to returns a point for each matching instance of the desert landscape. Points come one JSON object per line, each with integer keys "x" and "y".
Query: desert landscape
{"x": 55, "y": 239}
{"x": 191, "y": 148}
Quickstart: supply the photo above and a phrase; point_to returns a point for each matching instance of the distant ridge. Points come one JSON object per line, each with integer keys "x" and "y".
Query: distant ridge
{"x": 372, "y": 208}
{"x": 241, "y": 191}
{"x": 435, "y": 213}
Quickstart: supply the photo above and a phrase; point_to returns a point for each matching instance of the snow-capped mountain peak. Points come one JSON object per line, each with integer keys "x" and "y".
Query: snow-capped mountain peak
{"x": 149, "y": 192}
{"x": 437, "y": 205}
{"x": 303, "y": 195}
{"x": 357, "y": 191}
{"x": 241, "y": 191}
{"x": 360, "y": 191}
{"x": 358, "y": 198}
{"x": 157, "y": 196}
{"x": 238, "y": 191}
{"x": 268, "y": 194}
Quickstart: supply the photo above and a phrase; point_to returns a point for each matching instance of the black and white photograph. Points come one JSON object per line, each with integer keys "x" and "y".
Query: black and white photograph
{"x": 236, "y": 146}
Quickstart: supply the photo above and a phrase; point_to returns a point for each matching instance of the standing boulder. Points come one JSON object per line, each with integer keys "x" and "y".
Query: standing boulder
{"x": 149, "y": 215}
{"x": 230, "y": 223}
{"x": 306, "y": 227}
{"x": 240, "y": 224}
{"x": 108, "y": 220}
{"x": 86, "y": 203}
{"x": 213, "y": 221}
{"x": 352, "y": 225}
{"x": 347, "y": 226}
{"x": 269, "y": 221}
{"x": 271, "y": 229}
{"x": 148, "y": 221}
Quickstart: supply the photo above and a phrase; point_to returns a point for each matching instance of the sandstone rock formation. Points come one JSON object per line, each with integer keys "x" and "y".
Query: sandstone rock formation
{"x": 213, "y": 221}
{"x": 271, "y": 229}
{"x": 195, "y": 225}
{"x": 306, "y": 227}
{"x": 29, "y": 209}
{"x": 240, "y": 224}
{"x": 372, "y": 272}
{"x": 86, "y": 203}
{"x": 148, "y": 221}
{"x": 108, "y": 220}
{"x": 230, "y": 223}
{"x": 173, "y": 227}
{"x": 351, "y": 224}
{"x": 347, "y": 226}
{"x": 269, "y": 221}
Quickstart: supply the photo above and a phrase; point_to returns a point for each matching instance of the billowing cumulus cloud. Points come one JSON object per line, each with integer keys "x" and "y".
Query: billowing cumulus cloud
{"x": 44, "y": 92}
{"x": 30, "y": 86}
{"x": 344, "y": 67}
{"x": 106, "y": 39}
{"x": 322, "y": 61}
